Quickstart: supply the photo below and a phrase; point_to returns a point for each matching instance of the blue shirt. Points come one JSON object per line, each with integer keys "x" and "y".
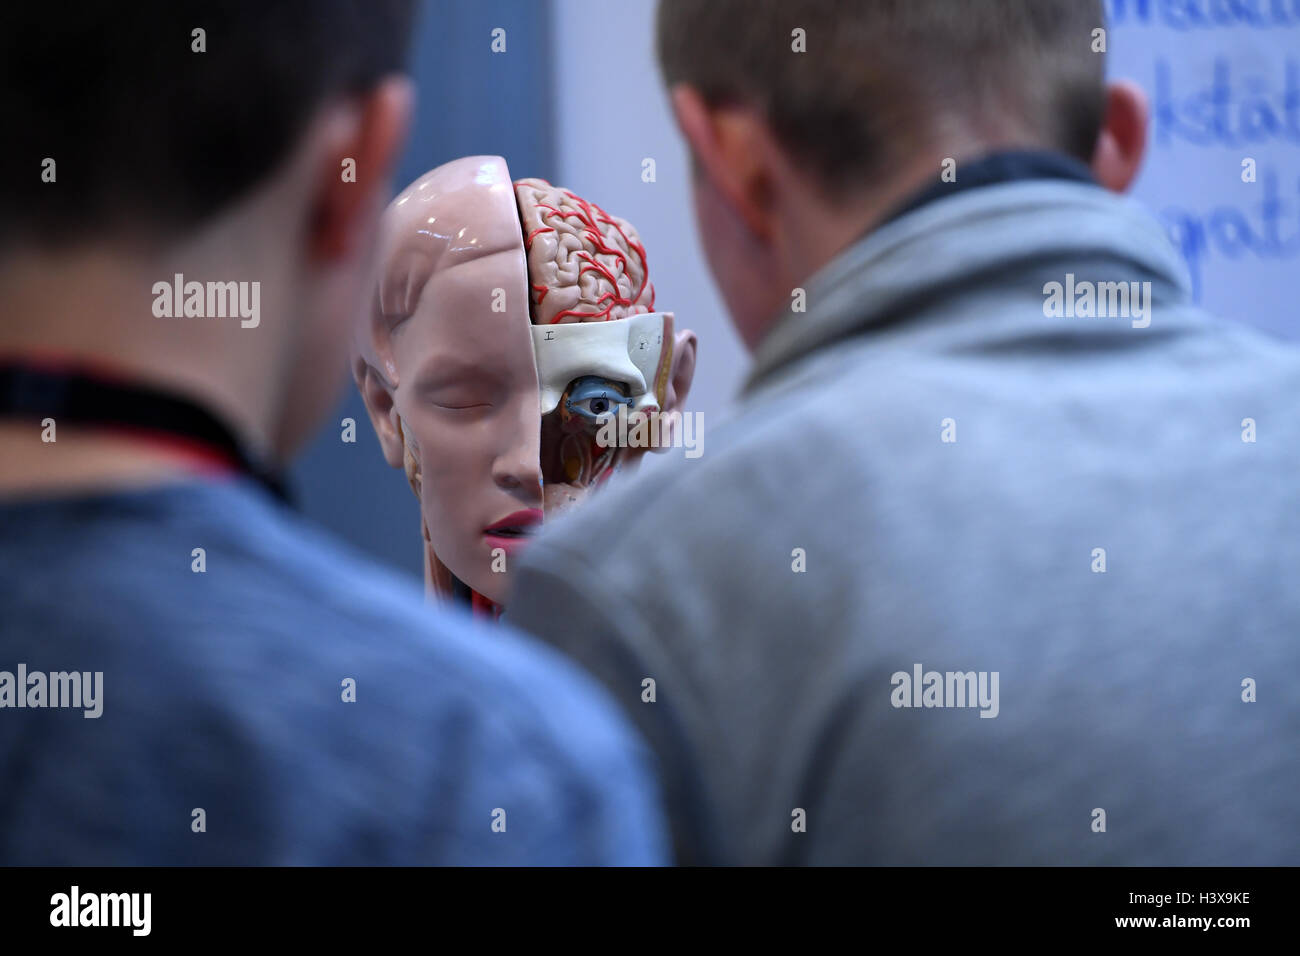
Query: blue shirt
{"x": 224, "y": 735}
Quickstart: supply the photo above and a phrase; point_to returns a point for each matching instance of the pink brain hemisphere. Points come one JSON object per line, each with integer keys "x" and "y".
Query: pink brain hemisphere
{"x": 584, "y": 265}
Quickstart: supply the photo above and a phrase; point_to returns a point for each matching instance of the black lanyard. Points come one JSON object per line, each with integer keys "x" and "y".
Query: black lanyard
{"x": 81, "y": 397}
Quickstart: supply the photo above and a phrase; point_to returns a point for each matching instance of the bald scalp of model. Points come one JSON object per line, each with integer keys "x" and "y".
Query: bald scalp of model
{"x": 426, "y": 229}
{"x": 444, "y": 361}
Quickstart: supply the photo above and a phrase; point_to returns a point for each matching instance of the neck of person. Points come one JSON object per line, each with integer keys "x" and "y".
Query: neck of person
{"x": 819, "y": 226}
{"x": 90, "y": 312}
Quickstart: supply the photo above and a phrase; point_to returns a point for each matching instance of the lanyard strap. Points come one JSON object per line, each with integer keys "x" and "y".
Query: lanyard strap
{"x": 81, "y": 397}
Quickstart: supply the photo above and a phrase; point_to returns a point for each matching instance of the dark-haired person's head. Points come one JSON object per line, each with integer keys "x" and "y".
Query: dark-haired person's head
{"x": 230, "y": 141}
{"x": 810, "y": 120}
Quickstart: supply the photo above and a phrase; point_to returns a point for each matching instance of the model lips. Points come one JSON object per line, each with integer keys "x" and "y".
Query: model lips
{"x": 521, "y": 524}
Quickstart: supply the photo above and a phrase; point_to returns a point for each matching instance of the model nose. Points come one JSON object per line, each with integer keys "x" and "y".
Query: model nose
{"x": 519, "y": 465}
{"x": 521, "y": 475}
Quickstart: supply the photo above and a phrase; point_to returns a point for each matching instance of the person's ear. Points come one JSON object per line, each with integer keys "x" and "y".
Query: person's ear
{"x": 729, "y": 146}
{"x": 1117, "y": 157}
{"x": 383, "y": 416}
{"x": 361, "y": 141}
{"x": 682, "y": 371}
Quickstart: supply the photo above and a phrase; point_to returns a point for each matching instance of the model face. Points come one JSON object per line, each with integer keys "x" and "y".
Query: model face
{"x": 500, "y": 447}
{"x": 469, "y": 400}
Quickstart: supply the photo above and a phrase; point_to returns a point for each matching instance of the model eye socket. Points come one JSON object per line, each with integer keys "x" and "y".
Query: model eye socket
{"x": 596, "y": 399}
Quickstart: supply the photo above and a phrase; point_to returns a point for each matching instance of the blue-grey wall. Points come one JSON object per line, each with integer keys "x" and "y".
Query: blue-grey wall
{"x": 471, "y": 101}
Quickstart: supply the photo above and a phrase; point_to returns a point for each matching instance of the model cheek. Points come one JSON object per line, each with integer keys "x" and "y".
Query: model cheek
{"x": 450, "y": 488}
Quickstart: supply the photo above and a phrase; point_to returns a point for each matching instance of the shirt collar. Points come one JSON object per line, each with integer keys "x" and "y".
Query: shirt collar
{"x": 1008, "y": 166}
{"x": 982, "y": 242}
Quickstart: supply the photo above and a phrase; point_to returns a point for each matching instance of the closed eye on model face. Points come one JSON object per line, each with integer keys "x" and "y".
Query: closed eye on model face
{"x": 457, "y": 386}
{"x": 460, "y": 395}
{"x": 463, "y": 405}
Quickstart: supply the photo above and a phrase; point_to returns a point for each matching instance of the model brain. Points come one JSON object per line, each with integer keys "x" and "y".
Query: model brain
{"x": 584, "y": 265}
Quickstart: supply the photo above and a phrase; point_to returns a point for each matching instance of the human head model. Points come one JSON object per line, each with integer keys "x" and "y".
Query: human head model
{"x": 508, "y": 323}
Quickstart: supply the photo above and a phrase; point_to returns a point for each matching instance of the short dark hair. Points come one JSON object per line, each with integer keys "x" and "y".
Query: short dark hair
{"x": 878, "y": 72}
{"x": 150, "y": 138}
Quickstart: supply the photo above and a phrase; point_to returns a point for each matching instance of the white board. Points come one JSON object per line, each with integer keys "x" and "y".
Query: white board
{"x": 1223, "y": 80}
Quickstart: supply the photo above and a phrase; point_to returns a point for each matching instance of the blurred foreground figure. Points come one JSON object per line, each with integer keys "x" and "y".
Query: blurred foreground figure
{"x": 997, "y": 561}
{"x": 188, "y": 672}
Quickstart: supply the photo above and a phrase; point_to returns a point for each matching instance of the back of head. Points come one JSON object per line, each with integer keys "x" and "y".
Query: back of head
{"x": 852, "y": 87}
{"x": 160, "y": 113}
{"x": 206, "y": 143}
{"x": 810, "y": 121}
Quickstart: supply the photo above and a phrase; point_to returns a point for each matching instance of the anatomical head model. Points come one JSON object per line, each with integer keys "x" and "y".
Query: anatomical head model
{"x": 509, "y": 323}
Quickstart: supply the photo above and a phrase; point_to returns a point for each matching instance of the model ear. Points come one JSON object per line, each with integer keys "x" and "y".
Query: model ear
{"x": 383, "y": 416}
{"x": 682, "y": 372}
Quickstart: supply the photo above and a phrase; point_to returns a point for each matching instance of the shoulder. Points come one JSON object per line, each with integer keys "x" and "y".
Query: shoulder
{"x": 344, "y": 616}
{"x": 312, "y": 695}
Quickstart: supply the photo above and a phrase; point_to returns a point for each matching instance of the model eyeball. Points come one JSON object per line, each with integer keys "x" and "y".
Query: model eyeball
{"x": 596, "y": 399}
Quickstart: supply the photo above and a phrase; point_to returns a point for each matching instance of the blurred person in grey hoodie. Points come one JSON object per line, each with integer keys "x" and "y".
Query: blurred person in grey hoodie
{"x": 1004, "y": 531}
